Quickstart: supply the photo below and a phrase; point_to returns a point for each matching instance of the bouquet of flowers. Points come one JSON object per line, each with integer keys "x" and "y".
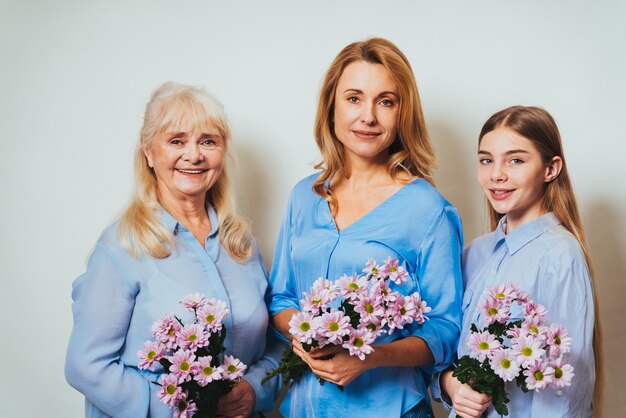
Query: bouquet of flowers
{"x": 351, "y": 312}
{"x": 527, "y": 350}
{"x": 197, "y": 372}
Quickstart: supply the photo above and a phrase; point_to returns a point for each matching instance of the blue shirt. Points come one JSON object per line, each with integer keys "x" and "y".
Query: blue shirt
{"x": 118, "y": 298}
{"x": 417, "y": 226}
{"x": 546, "y": 261}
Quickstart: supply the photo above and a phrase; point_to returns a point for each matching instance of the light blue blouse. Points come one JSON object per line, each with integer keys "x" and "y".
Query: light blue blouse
{"x": 118, "y": 298}
{"x": 416, "y": 225}
{"x": 546, "y": 261}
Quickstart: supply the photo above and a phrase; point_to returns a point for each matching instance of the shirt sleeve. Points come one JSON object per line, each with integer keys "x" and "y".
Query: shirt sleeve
{"x": 439, "y": 276}
{"x": 102, "y": 308}
{"x": 567, "y": 295}
{"x": 283, "y": 294}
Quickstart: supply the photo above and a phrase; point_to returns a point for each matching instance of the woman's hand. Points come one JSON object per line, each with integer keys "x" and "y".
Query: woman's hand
{"x": 238, "y": 403}
{"x": 466, "y": 401}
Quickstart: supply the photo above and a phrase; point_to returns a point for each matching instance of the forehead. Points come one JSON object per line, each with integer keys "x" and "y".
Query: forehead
{"x": 367, "y": 77}
{"x": 178, "y": 116}
{"x": 503, "y": 140}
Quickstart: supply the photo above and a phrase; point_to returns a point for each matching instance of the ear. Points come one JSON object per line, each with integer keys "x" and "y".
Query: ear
{"x": 553, "y": 169}
{"x": 148, "y": 153}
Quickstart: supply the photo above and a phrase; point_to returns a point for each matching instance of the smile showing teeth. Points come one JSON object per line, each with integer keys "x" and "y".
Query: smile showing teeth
{"x": 190, "y": 171}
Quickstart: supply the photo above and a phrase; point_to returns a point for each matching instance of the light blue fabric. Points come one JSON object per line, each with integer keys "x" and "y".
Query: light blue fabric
{"x": 118, "y": 298}
{"x": 545, "y": 260}
{"x": 416, "y": 225}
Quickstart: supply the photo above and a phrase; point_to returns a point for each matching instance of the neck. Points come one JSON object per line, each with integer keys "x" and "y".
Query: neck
{"x": 514, "y": 220}
{"x": 188, "y": 210}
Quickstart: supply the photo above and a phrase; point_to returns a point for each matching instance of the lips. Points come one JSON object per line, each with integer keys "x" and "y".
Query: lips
{"x": 500, "y": 194}
{"x": 366, "y": 134}
{"x": 190, "y": 172}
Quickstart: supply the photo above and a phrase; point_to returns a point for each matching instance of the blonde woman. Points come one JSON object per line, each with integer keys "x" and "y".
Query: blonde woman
{"x": 180, "y": 235}
{"x": 374, "y": 198}
{"x": 538, "y": 242}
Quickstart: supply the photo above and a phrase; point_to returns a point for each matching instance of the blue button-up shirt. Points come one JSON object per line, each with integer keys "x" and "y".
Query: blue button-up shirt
{"x": 118, "y": 298}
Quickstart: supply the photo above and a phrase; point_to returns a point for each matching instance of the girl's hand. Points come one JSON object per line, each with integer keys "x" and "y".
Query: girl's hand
{"x": 466, "y": 401}
{"x": 238, "y": 403}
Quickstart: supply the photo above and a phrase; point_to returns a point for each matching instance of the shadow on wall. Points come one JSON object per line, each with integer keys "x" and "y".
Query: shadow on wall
{"x": 606, "y": 237}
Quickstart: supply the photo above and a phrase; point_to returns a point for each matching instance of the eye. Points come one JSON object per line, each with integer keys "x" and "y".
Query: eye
{"x": 353, "y": 99}
{"x": 485, "y": 161}
{"x": 387, "y": 102}
{"x": 175, "y": 141}
{"x": 516, "y": 161}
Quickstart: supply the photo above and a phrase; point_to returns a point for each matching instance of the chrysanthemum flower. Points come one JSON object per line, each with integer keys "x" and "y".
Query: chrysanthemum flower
{"x": 393, "y": 271}
{"x": 233, "y": 368}
{"x": 183, "y": 365}
{"x": 421, "y": 308}
{"x": 352, "y": 287}
{"x": 527, "y": 350}
{"x": 170, "y": 393}
{"x": 538, "y": 375}
{"x": 380, "y": 289}
{"x": 205, "y": 372}
{"x": 370, "y": 309}
{"x": 192, "y": 336}
{"x": 536, "y": 310}
{"x": 400, "y": 313}
{"x": 332, "y": 326}
{"x": 193, "y": 301}
{"x": 503, "y": 363}
{"x": 494, "y": 310}
{"x": 152, "y": 352}
{"x": 212, "y": 315}
{"x": 563, "y": 373}
{"x": 303, "y": 326}
{"x": 504, "y": 292}
{"x": 165, "y": 330}
{"x": 359, "y": 343}
{"x": 372, "y": 269}
{"x": 185, "y": 408}
{"x": 558, "y": 341}
{"x": 533, "y": 326}
{"x": 482, "y": 345}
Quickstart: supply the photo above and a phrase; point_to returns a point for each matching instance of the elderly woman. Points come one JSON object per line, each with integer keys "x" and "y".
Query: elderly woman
{"x": 179, "y": 235}
{"x": 374, "y": 198}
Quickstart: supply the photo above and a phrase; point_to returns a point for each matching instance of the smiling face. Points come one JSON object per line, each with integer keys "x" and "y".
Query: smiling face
{"x": 187, "y": 159}
{"x": 366, "y": 111}
{"x": 513, "y": 175}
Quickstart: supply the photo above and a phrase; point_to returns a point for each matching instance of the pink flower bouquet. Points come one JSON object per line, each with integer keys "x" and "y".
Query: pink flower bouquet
{"x": 197, "y": 372}
{"x": 351, "y": 312}
{"x": 528, "y": 351}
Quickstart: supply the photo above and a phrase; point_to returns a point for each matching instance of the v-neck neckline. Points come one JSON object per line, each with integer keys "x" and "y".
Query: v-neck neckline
{"x": 367, "y": 214}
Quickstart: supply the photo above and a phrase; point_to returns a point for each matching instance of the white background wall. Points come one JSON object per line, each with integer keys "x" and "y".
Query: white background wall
{"x": 75, "y": 76}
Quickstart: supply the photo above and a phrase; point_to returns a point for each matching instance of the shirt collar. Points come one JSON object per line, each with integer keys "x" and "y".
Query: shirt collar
{"x": 525, "y": 233}
{"x": 172, "y": 224}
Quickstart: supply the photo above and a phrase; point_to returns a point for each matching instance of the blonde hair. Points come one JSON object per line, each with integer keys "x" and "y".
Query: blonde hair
{"x": 411, "y": 153}
{"x": 538, "y": 126}
{"x": 140, "y": 230}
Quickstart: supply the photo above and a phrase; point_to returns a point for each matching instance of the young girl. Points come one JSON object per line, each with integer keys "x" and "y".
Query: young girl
{"x": 537, "y": 241}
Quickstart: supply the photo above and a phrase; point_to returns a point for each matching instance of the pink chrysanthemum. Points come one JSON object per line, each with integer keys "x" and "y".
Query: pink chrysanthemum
{"x": 303, "y": 326}
{"x": 536, "y": 310}
{"x": 380, "y": 289}
{"x": 370, "y": 309}
{"x": 503, "y": 363}
{"x": 185, "y": 408}
{"x": 193, "y": 301}
{"x": 359, "y": 343}
{"x": 527, "y": 350}
{"x": 533, "y": 326}
{"x": 482, "y": 345}
{"x": 170, "y": 393}
{"x": 563, "y": 373}
{"x": 323, "y": 285}
{"x": 372, "y": 269}
{"x": 192, "y": 336}
{"x": 504, "y": 292}
{"x": 558, "y": 341}
{"x": 421, "y": 308}
{"x": 152, "y": 352}
{"x": 393, "y": 271}
{"x": 494, "y": 310}
{"x": 322, "y": 293}
{"x": 205, "y": 372}
{"x": 538, "y": 375}
{"x": 212, "y": 315}
{"x": 332, "y": 326}
{"x": 183, "y": 365}
{"x": 400, "y": 313}
{"x": 165, "y": 330}
{"x": 522, "y": 297}
{"x": 352, "y": 287}
{"x": 233, "y": 368}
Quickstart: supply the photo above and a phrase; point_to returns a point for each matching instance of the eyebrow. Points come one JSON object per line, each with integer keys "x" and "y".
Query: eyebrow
{"x": 513, "y": 151}
{"x": 384, "y": 93}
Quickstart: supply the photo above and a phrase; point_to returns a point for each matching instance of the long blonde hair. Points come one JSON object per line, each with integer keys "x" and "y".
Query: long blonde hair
{"x": 411, "y": 153}
{"x": 538, "y": 126}
{"x": 140, "y": 230}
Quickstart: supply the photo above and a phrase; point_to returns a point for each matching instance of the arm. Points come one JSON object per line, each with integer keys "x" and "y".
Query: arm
{"x": 103, "y": 305}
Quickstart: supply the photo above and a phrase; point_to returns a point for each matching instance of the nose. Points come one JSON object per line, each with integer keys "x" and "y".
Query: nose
{"x": 192, "y": 153}
{"x": 498, "y": 173}
{"x": 368, "y": 114}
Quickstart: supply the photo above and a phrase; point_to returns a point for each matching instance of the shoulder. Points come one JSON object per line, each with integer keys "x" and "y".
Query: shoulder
{"x": 479, "y": 248}
{"x": 421, "y": 194}
{"x": 305, "y": 185}
{"x": 559, "y": 244}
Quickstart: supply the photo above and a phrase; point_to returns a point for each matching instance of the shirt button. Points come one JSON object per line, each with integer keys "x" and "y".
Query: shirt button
{"x": 559, "y": 393}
